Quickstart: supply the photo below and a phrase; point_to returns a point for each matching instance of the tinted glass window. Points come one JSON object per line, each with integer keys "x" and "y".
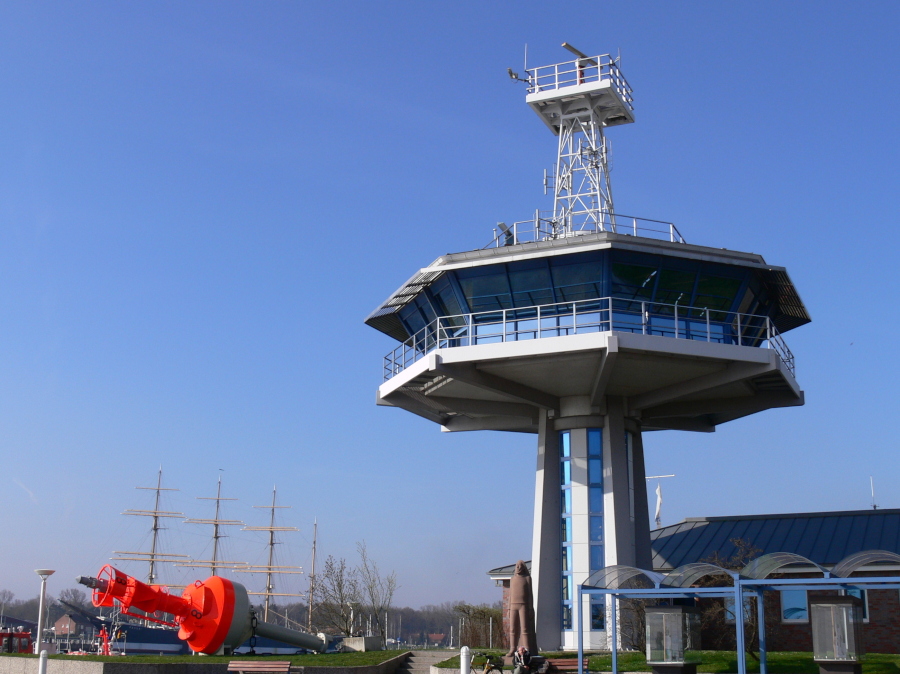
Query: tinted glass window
{"x": 445, "y": 298}
{"x": 425, "y": 308}
{"x": 632, "y": 281}
{"x": 487, "y": 291}
{"x": 716, "y": 292}
{"x": 793, "y": 605}
{"x": 595, "y": 442}
{"x": 413, "y": 318}
{"x": 580, "y": 281}
{"x": 595, "y": 471}
{"x": 598, "y": 614}
{"x": 530, "y": 287}
{"x": 675, "y": 287}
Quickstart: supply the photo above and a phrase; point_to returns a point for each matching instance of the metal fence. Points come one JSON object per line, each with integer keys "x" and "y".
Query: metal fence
{"x": 605, "y": 314}
{"x": 543, "y": 226}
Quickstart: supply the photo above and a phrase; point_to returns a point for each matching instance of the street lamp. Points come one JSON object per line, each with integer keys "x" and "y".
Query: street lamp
{"x": 44, "y": 574}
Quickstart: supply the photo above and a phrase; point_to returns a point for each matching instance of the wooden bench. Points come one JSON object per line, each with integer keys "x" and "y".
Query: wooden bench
{"x": 260, "y": 666}
{"x": 566, "y": 664}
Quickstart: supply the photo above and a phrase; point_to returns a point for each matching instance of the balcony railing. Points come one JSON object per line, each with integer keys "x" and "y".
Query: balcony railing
{"x": 607, "y": 314}
{"x": 580, "y": 71}
{"x": 543, "y": 226}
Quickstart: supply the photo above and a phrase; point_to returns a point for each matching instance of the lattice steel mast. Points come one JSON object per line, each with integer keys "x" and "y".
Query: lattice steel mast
{"x": 577, "y": 100}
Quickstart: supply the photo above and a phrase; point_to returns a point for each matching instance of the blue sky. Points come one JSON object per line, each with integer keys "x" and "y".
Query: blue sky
{"x": 201, "y": 202}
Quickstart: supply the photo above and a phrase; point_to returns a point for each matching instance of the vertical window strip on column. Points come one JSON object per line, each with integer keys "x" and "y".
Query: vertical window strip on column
{"x": 595, "y": 518}
{"x": 565, "y": 479}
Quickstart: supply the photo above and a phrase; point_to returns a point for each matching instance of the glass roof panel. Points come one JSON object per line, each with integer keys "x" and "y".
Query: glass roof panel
{"x": 687, "y": 575}
{"x": 621, "y": 576}
{"x": 848, "y": 565}
{"x": 761, "y": 567}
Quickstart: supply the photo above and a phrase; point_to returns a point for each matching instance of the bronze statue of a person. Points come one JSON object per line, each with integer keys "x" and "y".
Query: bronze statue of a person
{"x": 521, "y": 611}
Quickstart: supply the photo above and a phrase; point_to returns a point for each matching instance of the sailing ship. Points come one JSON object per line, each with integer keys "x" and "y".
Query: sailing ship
{"x": 130, "y": 635}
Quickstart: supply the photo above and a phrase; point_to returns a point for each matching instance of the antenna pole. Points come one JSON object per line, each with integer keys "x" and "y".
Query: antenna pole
{"x": 872, "y": 486}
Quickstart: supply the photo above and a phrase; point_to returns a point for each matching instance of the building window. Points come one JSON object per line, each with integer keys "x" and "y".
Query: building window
{"x": 598, "y": 614}
{"x": 567, "y": 616}
{"x": 595, "y": 513}
{"x": 794, "y": 608}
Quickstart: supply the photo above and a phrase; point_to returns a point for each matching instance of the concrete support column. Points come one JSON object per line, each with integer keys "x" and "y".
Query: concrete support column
{"x": 643, "y": 551}
{"x": 546, "y": 557}
{"x": 626, "y": 524}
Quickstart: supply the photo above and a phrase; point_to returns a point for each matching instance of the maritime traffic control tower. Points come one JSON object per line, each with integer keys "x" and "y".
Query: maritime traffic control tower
{"x": 588, "y": 327}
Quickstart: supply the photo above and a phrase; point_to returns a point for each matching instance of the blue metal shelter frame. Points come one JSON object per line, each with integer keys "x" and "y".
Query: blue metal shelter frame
{"x": 752, "y": 580}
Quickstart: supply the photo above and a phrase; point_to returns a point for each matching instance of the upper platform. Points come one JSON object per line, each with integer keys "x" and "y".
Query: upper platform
{"x": 573, "y": 88}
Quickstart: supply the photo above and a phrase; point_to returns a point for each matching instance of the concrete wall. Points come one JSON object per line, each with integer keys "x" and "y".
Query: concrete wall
{"x": 24, "y": 665}
{"x": 362, "y": 644}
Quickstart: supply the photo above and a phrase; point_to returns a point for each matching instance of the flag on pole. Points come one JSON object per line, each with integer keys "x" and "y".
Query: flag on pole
{"x": 658, "y": 504}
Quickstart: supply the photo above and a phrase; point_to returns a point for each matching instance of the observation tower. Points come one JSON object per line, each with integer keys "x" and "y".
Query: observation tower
{"x": 588, "y": 327}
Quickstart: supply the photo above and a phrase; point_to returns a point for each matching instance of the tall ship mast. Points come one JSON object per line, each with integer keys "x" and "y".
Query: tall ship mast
{"x": 214, "y": 564}
{"x": 310, "y": 594}
{"x": 271, "y": 569}
{"x": 153, "y": 557}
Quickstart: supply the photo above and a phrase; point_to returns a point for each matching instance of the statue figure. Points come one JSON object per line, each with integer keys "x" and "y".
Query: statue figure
{"x": 521, "y": 611}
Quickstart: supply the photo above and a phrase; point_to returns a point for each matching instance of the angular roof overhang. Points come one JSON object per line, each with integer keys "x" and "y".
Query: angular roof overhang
{"x": 790, "y": 311}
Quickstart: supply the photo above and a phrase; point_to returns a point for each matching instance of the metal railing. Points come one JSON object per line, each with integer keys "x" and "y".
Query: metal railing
{"x": 580, "y": 71}
{"x": 544, "y": 226}
{"x": 606, "y": 314}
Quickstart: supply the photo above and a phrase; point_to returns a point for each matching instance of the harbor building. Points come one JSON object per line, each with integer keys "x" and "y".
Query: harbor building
{"x": 587, "y": 328}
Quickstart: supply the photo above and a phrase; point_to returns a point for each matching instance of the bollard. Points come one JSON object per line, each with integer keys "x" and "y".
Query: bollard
{"x": 42, "y": 663}
{"x": 465, "y": 660}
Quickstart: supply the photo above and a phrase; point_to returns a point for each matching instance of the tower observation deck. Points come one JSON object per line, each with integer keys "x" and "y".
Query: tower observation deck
{"x": 587, "y": 327}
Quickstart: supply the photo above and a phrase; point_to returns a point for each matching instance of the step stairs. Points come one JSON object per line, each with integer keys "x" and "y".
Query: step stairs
{"x": 420, "y": 662}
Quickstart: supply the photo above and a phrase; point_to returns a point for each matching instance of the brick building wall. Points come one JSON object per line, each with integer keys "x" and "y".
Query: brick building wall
{"x": 880, "y": 634}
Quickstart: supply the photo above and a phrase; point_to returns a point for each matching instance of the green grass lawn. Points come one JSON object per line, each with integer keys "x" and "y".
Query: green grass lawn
{"x": 316, "y": 660}
{"x": 715, "y": 662}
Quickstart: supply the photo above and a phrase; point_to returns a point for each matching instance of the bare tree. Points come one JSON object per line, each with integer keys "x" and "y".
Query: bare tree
{"x": 377, "y": 590}
{"x": 718, "y": 615}
{"x": 6, "y": 599}
{"x": 338, "y": 590}
{"x": 75, "y": 597}
{"x": 481, "y": 626}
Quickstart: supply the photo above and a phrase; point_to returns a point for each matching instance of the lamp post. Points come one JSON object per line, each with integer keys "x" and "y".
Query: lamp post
{"x": 44, "y": 574}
